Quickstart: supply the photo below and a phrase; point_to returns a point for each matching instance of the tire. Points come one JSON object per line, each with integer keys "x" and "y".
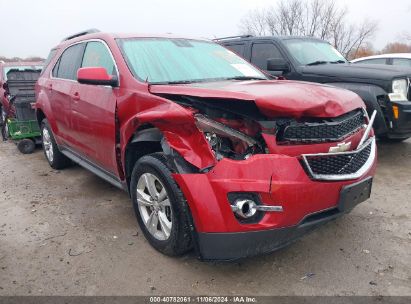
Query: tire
{"x": 55, "y": 158}
{"x": 4, "y": 127}
{"x": 26, "y": 146}
{"x": 170, "y": 211}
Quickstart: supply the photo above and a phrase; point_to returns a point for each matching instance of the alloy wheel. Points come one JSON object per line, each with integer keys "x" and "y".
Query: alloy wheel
{"x": 48, "y": 145}
{"x": 154, "y": 206}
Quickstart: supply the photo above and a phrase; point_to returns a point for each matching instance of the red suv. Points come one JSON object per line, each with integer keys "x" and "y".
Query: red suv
{"x": 214, "y": 155}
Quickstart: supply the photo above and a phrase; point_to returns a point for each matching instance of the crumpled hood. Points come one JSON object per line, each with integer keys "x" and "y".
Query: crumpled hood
{"x": 274, "y": 98}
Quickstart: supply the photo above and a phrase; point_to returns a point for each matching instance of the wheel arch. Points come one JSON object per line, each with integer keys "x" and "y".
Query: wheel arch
{"x": 40, "y": 116}
{"x": 145, "y": 140}
{"x": 148, "y": 139}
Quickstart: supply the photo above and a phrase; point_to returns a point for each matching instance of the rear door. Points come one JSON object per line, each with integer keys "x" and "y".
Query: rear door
{"x": 64, "y": 76}
{"x": 93, "y": 111}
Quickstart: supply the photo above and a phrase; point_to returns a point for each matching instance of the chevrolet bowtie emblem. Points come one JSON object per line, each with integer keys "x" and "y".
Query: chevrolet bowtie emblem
{"x": 342, "y": 147}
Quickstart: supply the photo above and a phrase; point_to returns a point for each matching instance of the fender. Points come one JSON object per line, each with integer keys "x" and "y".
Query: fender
{"x": 369, "y": 94}
{"x": 175, "y": 123}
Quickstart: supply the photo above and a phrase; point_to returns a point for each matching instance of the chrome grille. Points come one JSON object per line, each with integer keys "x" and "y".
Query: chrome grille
{"x": 341, "y": 165}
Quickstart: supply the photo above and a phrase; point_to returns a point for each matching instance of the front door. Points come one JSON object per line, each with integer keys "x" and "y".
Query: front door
{"x": 93, "y": 111}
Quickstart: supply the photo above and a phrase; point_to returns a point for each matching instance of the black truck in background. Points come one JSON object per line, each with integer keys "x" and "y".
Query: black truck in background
{"x": 383, "y": 88}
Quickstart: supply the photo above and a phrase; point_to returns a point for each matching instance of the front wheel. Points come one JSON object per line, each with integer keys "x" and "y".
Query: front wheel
{"x": 159, "y": 205}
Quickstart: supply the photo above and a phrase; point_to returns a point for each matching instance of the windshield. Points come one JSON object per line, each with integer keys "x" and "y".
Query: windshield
{"x": 312, "y": 51}
{"x": 20, "y": 68}
{"x": 165, "y": 60}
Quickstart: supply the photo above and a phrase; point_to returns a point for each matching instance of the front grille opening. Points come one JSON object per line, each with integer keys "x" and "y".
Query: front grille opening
{"x": 324, "y": 130}
{"x": 320, "y": 216}
{"x": 338, "y": 164}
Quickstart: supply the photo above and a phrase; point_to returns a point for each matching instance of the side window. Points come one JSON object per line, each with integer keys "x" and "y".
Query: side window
{"x": 261, "y": 52}
{"x": 97, "y": 55}
{"x": 374, "y": 61}
{"x": 70, "y": 62}
{"x": 401, "y": 62}
{"x": 237, "y": 48}
{"x": 49, "y": 58}
{"x": 54, "y": 73}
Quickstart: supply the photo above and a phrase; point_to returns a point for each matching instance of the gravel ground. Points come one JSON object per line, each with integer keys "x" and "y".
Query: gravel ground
{"x": 70, "y": 233}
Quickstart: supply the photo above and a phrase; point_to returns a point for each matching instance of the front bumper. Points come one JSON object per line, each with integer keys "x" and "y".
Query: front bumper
{"x": 277, "y": 180}
{"x": 234, "y": 246}
{"x": 400, "y": 127}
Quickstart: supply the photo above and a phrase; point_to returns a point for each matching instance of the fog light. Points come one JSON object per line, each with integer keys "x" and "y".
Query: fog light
{"x": 244, "y": 208}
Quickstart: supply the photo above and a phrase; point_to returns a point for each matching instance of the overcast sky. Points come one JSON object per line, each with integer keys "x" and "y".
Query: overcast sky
{"x": 31, "y": 28}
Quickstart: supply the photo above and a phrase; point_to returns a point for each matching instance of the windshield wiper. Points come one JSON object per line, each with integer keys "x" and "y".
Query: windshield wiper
{"x": 245, "y": 78}
{"x": 209, "y": 80}
{"x": 338, "y": 61}
{"x": 178, "y": 82}
{"x": 318, "y": 62}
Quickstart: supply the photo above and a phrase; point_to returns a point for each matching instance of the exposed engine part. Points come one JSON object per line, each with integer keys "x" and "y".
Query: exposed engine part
{"x": 226, "y": 141}
{"x": 209, "y": 125}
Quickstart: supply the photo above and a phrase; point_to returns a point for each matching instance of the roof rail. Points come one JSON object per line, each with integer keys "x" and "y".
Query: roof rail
{"x": 89, "y": 31}
{"x": 233, "y": 37}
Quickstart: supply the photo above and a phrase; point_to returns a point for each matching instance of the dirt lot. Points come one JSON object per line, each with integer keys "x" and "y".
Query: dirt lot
{"x": 70, "y": 233}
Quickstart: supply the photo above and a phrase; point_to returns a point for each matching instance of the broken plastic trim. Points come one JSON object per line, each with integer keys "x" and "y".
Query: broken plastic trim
{"x": 209, "y": 125}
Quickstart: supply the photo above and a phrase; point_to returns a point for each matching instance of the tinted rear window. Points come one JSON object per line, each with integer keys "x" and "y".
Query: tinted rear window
{"x": 237, "y": 48}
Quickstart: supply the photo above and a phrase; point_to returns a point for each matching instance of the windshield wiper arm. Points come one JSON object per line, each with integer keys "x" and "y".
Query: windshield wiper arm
{"x": 318, "y": 62}
{"x": 177, "y": 82}
{"x": 338, "y": 61}
{"x": 208, "y": 80}
{"x": 245, "y": 78}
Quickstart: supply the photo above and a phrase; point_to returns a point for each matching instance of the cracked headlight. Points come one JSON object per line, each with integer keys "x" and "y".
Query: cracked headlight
{"x": 226, "y": 141}
{"x": 399, "y": 90}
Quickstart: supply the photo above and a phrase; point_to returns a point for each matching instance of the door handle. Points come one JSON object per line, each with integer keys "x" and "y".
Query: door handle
{"x": 76, "y": 96}
{"x": 50, "y": 87}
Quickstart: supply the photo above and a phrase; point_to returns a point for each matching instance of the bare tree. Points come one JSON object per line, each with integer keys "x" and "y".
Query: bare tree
{"x": 405, "y": 36}
{"x": 323, "y": 19}
{"x": 364, "y": 51}
{"x": 396, "y": 47}
{"x": 255, "y": 23}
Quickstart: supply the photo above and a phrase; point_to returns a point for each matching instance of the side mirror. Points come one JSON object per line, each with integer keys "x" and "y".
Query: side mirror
{"x": 5, "y": 86}
{"x": 278, "y": 64}
{"x": 96, "y": 76}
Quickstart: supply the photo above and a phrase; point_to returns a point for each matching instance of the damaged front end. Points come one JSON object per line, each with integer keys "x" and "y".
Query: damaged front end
{"x": 262, "y": 183}
{"x": 227, "y": 141}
